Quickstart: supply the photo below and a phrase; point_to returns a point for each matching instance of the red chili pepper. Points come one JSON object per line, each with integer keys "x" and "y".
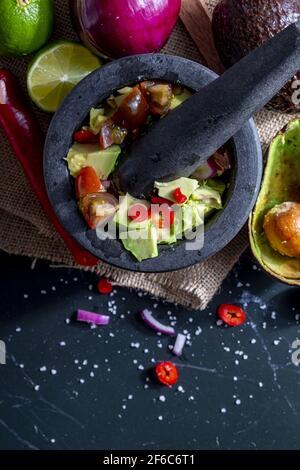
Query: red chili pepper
{"x": 179, "y": 197}
{"x": 85, "y": 136}
{"x": 27, "y": 141}
{"x": 104, "y": 286}
{"x": 167, "y": 373}
{"x": 161, "y": 200}
{"x": 232, "y": 315}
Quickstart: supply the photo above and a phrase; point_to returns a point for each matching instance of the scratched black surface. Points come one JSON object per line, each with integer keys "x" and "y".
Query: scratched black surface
{"x": 238, "y": 388}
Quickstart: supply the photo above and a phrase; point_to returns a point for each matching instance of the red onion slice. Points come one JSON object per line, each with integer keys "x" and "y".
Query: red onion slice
{"x": 91, "y": 317}
{"x": 155, "y": 324}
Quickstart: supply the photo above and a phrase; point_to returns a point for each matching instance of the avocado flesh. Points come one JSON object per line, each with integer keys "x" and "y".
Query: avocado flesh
{"x": 141, "y": 243}
{"x": 240, "y": 26}
{"x": 281, "y": 183}
{"x": 103, "y": 161}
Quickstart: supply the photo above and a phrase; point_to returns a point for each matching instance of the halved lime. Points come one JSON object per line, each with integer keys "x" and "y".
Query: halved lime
{"x": 55, "y": 70}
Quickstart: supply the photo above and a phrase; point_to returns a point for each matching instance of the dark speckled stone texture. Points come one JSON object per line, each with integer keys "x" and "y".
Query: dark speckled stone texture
{"x": 92, "y": 91}
{"x": 238, "y": 387}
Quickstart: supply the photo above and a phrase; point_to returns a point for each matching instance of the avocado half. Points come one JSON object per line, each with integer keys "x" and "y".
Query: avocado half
{"x": 240, "y": 26}
{"x": 281, "y": 183}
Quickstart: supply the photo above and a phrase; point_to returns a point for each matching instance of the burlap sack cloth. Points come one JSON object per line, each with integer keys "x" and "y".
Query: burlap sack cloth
{"x": 25, "y": 230}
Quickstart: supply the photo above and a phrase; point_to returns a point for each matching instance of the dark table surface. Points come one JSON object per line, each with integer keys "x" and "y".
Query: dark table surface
{"x": 67, "y": 386}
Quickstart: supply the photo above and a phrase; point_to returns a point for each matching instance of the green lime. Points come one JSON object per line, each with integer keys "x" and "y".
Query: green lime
{"x": 55, "y": 71}
{"x": 25, "y": 25}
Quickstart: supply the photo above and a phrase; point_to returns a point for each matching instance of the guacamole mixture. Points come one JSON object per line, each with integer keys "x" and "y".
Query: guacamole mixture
{"x": 174, "y": 208}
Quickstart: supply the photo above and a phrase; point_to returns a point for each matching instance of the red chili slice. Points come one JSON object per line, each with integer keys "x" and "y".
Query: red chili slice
{"x": 232, "y": 315}
{"x": 166, "y": 373}
{"x": 161, "y": 200}
{"x": 84, "y": 136}
{"x": 104, "y": 286}
{"x": 179, "y": 197}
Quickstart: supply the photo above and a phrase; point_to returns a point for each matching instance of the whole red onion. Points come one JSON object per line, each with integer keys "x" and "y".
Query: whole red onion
{"x": 116, "y": 28}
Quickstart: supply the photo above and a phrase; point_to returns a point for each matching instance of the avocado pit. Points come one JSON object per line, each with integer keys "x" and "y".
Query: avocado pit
{"x": 282, "y": 228}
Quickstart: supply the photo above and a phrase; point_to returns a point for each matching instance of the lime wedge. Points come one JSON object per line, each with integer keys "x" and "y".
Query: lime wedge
{"x": 55, "y": 70}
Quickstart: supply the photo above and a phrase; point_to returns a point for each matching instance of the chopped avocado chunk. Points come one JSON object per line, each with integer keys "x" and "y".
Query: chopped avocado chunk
{"x": 121, "y": 217}
{"x": 187, "y": 217}
{"x": 103, "y": 161}
{"x": 97, "y": 119}
{"x": 141, "y": 243}
{"x": 125, "y": 90}
{"x": 187, "y": 186}
{"x": 166, "y": 236}
{"x": 216, "y": 184}
{"x": 177, "y": 100}
{"x": 207, "y": 196}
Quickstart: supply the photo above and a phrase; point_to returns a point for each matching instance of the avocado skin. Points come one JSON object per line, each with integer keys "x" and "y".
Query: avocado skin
{"x": 280, "y": 184}
{"x": 240, "y": 26}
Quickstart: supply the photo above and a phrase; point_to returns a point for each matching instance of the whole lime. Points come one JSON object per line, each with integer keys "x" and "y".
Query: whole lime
{"x": 25, "y": 25}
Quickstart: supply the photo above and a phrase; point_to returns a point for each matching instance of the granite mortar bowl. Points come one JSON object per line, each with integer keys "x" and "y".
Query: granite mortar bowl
{"x": 219, "y": 231}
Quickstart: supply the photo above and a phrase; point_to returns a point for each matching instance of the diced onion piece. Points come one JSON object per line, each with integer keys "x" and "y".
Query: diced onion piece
{"x": 155, "y": 324}
{"x": 179, "y": 344}
{"x": 91, "y": 317}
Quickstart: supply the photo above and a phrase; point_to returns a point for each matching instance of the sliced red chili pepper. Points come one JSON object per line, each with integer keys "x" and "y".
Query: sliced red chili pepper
{"x": 161, "y": 200}
{"x": 87, "y": 181}
{"x": 26, "y": 139}
{"x": 138, "y": 213}
{"x": 167, "y": 373}
{"x": 232, "y": 315}
{"x": 104, "y": 286}
{"x": 84, "y": 136}
{"x": 179, "y": 197}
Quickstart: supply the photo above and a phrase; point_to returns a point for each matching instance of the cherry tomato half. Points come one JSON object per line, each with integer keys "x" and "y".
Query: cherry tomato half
{"x": 232, "y": 315}
{"x": 87, "y": 181}
{"x": 167, "y": 373}
{"x": 133, "y": 111}
{"x": 85, "y": 136}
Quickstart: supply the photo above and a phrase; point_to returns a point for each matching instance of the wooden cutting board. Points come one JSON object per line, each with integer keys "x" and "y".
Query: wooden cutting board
{"x": 196, "y": 18}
